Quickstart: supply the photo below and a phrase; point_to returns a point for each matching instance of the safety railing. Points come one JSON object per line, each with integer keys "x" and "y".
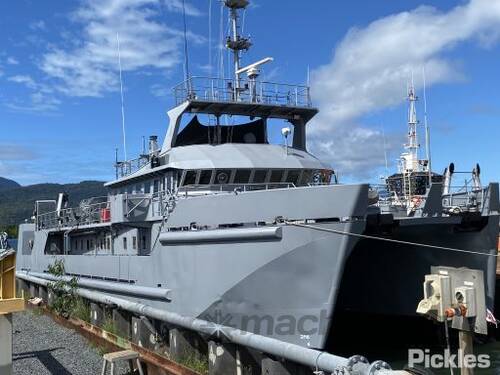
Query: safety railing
{"x": 231, "y": 188}
{"x": 463, "y": 198}
{"x": 125, "y": 168}
{"x": 243, "y": 91}
{"x": 85, "y": 214}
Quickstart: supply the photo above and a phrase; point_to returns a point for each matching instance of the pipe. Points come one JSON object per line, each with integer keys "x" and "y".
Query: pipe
{"x": 114, "y": 287}
{"x": 221, "y": 235}
{"x": 355, "y": 365}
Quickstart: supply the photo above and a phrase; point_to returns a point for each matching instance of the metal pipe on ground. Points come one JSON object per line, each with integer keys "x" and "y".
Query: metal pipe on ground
{"x": 355, "y": 365}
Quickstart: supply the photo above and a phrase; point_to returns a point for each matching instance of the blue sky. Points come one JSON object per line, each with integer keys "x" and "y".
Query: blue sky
{"x": 60, "y": 118}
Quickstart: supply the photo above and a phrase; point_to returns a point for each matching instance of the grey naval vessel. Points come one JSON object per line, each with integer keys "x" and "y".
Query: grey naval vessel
{"x": 232, "y": 216}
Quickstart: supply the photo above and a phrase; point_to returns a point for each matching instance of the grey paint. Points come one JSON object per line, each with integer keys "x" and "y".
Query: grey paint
{"x": 109, "y": 286}
{"x": 221, "y": 235}
{"x": 6, "y": 344}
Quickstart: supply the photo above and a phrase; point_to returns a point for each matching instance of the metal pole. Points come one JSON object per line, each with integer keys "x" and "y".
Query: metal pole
{"x": 6, "y": 344}
{"x": 427, "y": 133}
{"x": 465, "y": 340}
{"x": 236, "y": 53}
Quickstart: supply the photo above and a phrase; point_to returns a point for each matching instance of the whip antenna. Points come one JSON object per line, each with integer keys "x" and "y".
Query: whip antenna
{"x": 210, "y": 38}
{"x": 186, "y": 54}
{"x": 427, "y": 132}
{"x": 121, "y": 94}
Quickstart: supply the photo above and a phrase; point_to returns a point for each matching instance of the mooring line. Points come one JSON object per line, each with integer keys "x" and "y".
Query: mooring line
{"x": 367, "y": 236}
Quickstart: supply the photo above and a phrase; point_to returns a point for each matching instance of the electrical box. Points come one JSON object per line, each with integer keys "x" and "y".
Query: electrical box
{"x": 457, "y": 295}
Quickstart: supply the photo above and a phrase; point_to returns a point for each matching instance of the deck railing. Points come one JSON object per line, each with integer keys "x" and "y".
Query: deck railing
{"x": 85, "y": 214}
{"x": 125, "y": 168}
{"x": 231, "y": 188}
{"x": 247, "y": 91}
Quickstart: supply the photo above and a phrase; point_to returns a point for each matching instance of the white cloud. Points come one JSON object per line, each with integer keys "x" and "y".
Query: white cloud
{"x": 371, "y": 66}
{"x": 24, "y": 80}
{"x": 40, "y": 99}
{"x": 176, "y": 6}
{"x": 90, "y": 69}
{"x": 38, "y": 26}
{"x": 12, "y": 61}
{"x": 159, "y": 91}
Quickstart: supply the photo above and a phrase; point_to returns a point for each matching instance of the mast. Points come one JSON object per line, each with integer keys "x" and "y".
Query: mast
{"x": 236, "y": 42}
{"x": 412, "y": 146}
{"x": 427, "y": 133}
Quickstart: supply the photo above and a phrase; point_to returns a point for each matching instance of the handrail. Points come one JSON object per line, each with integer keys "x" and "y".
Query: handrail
{"x": 224, "y": 90}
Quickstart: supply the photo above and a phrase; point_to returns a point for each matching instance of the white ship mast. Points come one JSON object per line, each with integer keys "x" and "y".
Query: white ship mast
{"x": 409, "y": 160}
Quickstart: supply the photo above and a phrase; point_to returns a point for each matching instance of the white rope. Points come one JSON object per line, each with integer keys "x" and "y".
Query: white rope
{"x": 387, "y": 239}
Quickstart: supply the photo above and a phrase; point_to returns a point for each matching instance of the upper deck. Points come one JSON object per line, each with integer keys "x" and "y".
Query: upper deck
{"x": 220, "y": 96}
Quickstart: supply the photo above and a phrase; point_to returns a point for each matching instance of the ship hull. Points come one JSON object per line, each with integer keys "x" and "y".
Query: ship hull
{"x": 393, "y": 273}
{"x": 283, "y": 288}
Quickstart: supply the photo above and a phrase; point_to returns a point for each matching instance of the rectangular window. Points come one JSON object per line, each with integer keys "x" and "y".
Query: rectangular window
{"x": 190, "y": 178}
{"x": 307, "y": 176}
{"x": 276, "y": 175}
{"x": 108, "y": 243}
{"x": 88, "y": 244}
{"x": 124, "y": 243}
{"x": 76, "y": 244}
{"x": 259, "y": 176}
{"x": 205, "y": 177}
{"x": 134, "y": 242}
{"x": 293, "y": 177}
{"x": 242, "y": 176}
{"x": 144, "y": 242}
{"x": 156, "y": 186}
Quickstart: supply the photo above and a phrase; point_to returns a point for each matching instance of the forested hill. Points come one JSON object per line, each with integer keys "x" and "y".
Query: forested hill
{"x": 7, "y": 184}
{"x": 17, "y": 202}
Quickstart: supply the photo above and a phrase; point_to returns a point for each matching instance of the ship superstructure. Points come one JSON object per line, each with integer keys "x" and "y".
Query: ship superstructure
{"x": 232, "y": 216}
{"x": 410, "y": 184}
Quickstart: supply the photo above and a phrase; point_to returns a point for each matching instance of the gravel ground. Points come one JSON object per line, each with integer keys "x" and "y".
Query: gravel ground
{"x": 43, "y": 347}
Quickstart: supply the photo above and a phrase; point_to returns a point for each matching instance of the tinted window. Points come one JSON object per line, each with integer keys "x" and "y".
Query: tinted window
{"x": 276, "y": 175}
{"x": 242, "y": 176}
{"x": 190, "y": 178}
{"x": 293, "y": 176}
{"x": 259, "y": 176}
{"x": 307, "y": 176}
{"x": 205, "y": 177}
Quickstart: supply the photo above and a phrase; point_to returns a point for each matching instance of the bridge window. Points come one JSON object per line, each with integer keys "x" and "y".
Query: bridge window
{"x": 205, "y": 177}
{"x": 259, "y": 176}
{"x": 293, "y": 177}
{"x": 276, "y": 175}
{"x": 242, "y": 176}
{"x": 190, "y": 178}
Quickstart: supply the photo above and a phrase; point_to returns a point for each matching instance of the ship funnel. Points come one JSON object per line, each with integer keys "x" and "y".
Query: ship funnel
{"x": 153, "y": 144}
